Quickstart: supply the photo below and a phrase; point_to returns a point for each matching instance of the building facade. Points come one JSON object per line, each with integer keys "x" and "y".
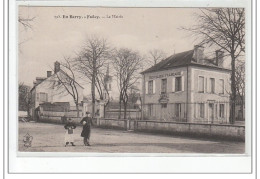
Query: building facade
{"x": 47, "y": 90}
{"x": 187, "y": 87}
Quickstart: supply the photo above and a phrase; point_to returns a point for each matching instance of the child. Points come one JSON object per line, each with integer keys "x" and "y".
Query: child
{"x": 69, "y": 137}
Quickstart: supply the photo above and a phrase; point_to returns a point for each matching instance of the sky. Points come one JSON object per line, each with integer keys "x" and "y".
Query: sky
{"x": 140, "y": 29}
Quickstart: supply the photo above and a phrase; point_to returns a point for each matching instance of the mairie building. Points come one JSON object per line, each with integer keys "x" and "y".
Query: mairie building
{"x": 187, "y": 87}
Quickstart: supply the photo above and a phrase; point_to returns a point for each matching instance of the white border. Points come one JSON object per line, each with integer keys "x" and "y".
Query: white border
{"x": 133, "y": 163}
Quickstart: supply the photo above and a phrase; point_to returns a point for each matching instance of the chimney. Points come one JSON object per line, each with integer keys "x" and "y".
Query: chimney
{"x": 56, "y": 67}
{"x": 48, "y": 74}
{"x": 198, "y": 53}
{"x": 219, "y": 58}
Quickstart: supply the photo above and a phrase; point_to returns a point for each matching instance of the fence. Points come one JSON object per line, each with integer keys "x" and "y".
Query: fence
{"x": 201, "y": 112}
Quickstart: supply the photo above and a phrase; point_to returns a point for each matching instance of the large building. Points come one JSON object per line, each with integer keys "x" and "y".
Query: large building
{"x": 49, "y": 90}
{"x": 187, "y": 87}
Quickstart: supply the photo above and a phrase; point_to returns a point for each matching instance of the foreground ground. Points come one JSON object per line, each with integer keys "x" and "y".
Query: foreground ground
{"x": 50, "y": 138}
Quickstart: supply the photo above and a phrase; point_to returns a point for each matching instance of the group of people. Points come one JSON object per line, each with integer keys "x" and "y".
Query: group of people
{"x": 70, "y": 126}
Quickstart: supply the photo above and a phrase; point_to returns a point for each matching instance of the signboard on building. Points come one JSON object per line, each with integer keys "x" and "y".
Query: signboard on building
{"x": 165, "y": 75}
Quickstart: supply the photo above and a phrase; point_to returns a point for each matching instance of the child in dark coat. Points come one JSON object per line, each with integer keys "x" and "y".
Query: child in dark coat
{"x": 69, "y": 135}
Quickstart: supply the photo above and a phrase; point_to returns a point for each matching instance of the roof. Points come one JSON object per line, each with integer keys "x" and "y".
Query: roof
{"x": 180, "y": 60}
{"x": 51, "y": 76}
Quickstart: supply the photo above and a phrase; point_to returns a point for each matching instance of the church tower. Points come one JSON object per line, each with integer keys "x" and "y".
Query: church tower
{"x": 108, "y": 84}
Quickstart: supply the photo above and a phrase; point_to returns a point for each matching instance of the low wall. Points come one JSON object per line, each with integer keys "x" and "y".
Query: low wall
{"x": 112, "y": 123}
{"x": 58, "y": 120}
{"x": 58, "y": 114}
{"x": 134, "y": 114}
{"x": 222, "y": 131}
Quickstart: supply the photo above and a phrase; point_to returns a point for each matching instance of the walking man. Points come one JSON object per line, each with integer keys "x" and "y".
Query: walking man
{"x": 87, "y": 122}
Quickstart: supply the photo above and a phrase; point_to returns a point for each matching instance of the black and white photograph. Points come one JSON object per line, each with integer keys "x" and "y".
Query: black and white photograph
{"x": 131, "y": 80}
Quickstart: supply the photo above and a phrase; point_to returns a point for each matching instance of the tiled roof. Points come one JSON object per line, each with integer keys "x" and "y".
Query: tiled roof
{"x": 181, "y": 59}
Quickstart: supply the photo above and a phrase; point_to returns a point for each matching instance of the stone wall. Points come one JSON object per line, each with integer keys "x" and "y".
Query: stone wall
{"x": 193, "y": 129}
{"x": 222, "y": 131}
{"x": 58, "y": 119}
{"x": 112, "y": 123}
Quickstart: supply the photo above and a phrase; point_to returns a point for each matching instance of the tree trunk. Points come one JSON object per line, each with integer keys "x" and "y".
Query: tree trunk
{"x": 28, "y": 111}
{"x": 233, "y": 90}
{"x": 242, "y": 108}
{"x": 120, "y": 106}
{"x": 104, "y": 111}
{"x": 93, "y": 93}
{"x": 105, "y": 107}
{"x": 125, "y": 109}
{"x": 77, "y": 107}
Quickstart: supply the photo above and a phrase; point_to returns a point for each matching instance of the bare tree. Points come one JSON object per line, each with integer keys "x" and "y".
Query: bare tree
{"x": 240, "y": 83}
{"x": 155, "y": 56}
{"x": 223, "y": 28}
{"x": 24, "y": 98}
{"x": 101, "y": 86}
{"x": 127, "y": 65}
{"x": 26, "y": 24}
{"x": 66, "y": 81}
{"x": 90, "y": 61}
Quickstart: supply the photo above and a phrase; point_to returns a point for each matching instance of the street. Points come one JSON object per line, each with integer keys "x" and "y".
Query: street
{"x": 50, "y": 138}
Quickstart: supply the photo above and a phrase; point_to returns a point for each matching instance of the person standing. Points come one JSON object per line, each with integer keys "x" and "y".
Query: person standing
{"x": 87, "y": 123}
{"x": 69, "y": 135}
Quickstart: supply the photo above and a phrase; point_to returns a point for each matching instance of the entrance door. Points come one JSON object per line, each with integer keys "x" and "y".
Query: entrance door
{"x": 211, "y": 112}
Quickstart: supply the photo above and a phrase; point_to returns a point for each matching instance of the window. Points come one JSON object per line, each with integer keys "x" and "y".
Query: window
{"x": 164, "y": 105}
{"x": 178, "y": 83}
{"x": 221, "y": 110}
{"x": 150, "y": 109}
{"x": 150, "y": 87}
{"x": 43, "y": 97}
{"x": 201, "y": 110}
{"x": 178, "y": 110}
{"x": 212, "y": 85}
{"x": 221, "y": 82}
{"x": 164, "y": 86}
{"x": 201, "y": 84}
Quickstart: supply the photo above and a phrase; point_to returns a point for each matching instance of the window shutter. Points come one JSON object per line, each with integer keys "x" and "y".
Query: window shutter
{"x": 182, "y": 83}
{"x": 182, "y": 110}
{"x": 224, "y": 86}
{"x": 195, "y": 110}
{"x": 205, "y": 111}
{"x": 217, "y": 111}
{"x": 208, "y": 85}
{"x": 146, "y": 87}
{"x": 217, "y": 87}
{"x": 153, "y": 86}
{"x": 205, "y": 84}
{"x": 173, "y": 84}
{"x": 224, "y": 112}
